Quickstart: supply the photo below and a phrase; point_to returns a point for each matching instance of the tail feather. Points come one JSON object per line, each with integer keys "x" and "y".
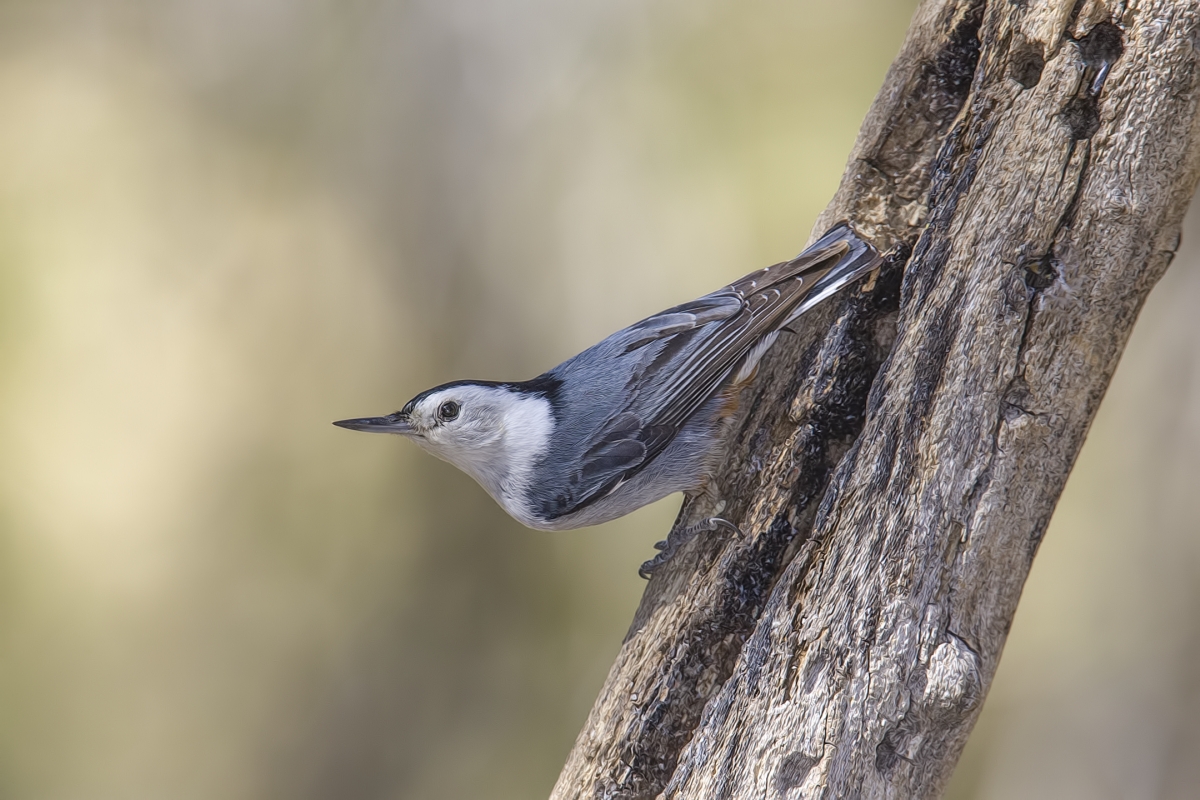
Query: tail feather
{"x": 858, "y": 259}
{"x": 830, "y": 263}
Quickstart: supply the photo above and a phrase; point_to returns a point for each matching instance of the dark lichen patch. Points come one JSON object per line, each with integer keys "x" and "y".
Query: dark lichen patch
{"x": 954, "y": 66}
{"x": 1076, "y": 7}
{"x": 1026, "y": 64}
{"x": 940, "y": 91}
{"x": 1082, "y": 117}
{"x": 939, "y": 335}
{"x": 793, "y": 770}
{"x": 886, "y": 752}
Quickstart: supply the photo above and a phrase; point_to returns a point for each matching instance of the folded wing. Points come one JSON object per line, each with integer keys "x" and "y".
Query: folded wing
{"x": 673, "y": 362}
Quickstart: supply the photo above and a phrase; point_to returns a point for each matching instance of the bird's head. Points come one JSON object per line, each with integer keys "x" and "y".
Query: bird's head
{"x": 493, "y": 432}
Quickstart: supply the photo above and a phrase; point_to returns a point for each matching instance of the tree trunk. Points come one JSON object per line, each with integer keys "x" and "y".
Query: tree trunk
{"x": 899, "y": 459}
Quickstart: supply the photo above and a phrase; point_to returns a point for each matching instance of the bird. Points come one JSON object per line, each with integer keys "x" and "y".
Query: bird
{"x": 639, "y": 416}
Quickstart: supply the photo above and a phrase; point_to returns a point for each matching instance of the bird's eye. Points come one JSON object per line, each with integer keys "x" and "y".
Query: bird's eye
{"x": 447, "y": 411}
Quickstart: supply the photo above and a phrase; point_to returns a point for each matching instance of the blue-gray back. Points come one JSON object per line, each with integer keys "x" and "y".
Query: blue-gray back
{"x": 618, "y": 404}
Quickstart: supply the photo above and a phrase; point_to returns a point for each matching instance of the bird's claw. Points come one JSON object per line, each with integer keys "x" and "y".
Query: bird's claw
{"x": 677, "y": 538}
{"x": 647, "y": 568}
{"x": 717, "y": 523}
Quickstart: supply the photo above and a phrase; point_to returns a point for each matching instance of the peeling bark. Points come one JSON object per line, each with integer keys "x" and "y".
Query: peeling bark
{"x": 899, "y": 459}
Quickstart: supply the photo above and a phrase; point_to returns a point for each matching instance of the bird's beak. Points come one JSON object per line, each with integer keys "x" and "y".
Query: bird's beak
{"x": 392, "y": 423}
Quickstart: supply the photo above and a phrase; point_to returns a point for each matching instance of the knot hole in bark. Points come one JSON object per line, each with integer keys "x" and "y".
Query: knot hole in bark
{"x": 1026, "y": 64}
{"x": 1099, "y": 49}
{"x": 944, "y": 696}
{"x": 1040, "y": 273}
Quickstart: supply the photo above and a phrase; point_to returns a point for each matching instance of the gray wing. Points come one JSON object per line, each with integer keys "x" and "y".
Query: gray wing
{"x": 670, "y": 364}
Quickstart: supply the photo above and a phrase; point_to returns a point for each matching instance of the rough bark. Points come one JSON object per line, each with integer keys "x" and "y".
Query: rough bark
{"x": 900, "y": 458}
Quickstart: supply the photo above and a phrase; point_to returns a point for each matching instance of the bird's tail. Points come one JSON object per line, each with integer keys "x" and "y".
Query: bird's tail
{"x": 857, "y": 259}
{"x": 836, "y": 259}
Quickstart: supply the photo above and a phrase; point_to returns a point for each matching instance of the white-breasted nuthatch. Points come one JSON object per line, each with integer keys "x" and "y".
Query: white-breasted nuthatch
{"x": 634, "y": 418}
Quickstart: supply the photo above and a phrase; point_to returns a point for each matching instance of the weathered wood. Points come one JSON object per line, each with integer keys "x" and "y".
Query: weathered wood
{"x": 894, "y": 473}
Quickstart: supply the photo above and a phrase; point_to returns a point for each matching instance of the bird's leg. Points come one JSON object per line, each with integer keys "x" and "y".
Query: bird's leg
{"x": 678, "y": 537}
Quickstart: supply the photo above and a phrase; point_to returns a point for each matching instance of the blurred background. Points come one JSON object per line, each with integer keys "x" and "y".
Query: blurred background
{"x": 224, "y": 223}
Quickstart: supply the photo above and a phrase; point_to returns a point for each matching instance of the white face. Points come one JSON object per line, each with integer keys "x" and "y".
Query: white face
{"x": 497, "y": 434}
{"x": 494, "y": 434}
{"x": 456, "y": 422}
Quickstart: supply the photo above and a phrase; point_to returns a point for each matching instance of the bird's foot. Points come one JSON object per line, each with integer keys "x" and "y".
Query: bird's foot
{"x": 678, "y": 537}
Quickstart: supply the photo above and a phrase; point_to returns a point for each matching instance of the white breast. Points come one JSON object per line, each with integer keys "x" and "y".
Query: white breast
{"x": 529, "y": 424}
{"x": 499, "y": 446}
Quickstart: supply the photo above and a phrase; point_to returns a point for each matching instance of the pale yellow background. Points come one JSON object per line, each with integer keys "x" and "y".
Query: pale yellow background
{"x": 224, "y": 223}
